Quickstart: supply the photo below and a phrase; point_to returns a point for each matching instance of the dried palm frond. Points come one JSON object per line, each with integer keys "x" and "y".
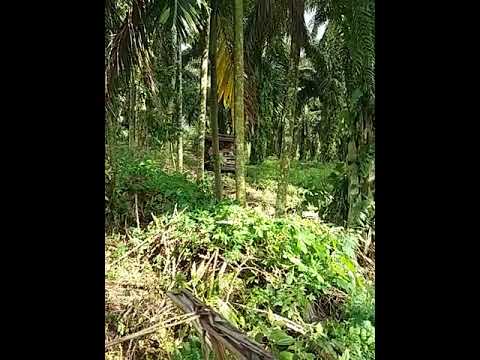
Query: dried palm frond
{"x": 218, "y": 332}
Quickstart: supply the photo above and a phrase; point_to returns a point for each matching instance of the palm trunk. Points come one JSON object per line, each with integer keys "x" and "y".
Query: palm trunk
{"x": 257, "y": 143}
{"x": 279, "y": 142}
{"x": 314, "y": 145}
{"x": 203, "y": 105}
{"x": 111, "y": 140}
{"x": 213, "y": 100}
{"x": 172, "y": 100}
{"x": 141, "y": 125}
{"x": 297, "y": 126}
{"x": 330, "y": 149}
{"x": 360, "y": 183}
{"x": 149, "y": 109}
{"x": 239, "y": 116}
{"x": 301, "y": 136}
{"x": 222, "y": 118}
{"x": 132, "y": 113}
{"x": 353, "y": 182}
{"x": 179, "y": 90}
{"x": 288, "y": 129}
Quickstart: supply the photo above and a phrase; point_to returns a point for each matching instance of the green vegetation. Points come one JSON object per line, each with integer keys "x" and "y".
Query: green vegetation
{"x": 156, "y": 192}
{"x": 262, "y": 274}
{"x": 290, "y": 283}
{"x": 314, "y": 186}
{"x": 284, "y": 248}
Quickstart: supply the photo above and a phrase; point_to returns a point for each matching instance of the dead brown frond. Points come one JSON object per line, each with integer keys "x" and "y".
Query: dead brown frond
{"x": 367, "y": 260}
{"x": 327, "y": 306}
{"x": 219, "y": 334}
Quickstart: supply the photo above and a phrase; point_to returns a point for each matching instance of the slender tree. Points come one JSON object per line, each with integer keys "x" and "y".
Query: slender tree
{"x": 179, "y": 93}
{"x": 172, "y": 100}
{"x": 239, "y": 116}
{"x": 214, "y": 100}
{"x": 296, "y": 40}
{"x": 132, "y": 112}
{"x": 288, "y": 129}
{"x": 203, "y": 102}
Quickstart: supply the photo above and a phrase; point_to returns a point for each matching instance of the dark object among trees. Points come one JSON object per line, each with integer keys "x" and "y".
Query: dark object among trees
{"x": 227, "y": 153}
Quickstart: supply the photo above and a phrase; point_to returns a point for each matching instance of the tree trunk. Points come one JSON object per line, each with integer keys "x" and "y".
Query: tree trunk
{"x": 111, "y": 141}
{"x": 361, "y": 171}
{"x": 239, "y": 116}
{"x": 149, "y": 115}
{"x": 353, "y": 182}
{"x": 259, "y": 142}
{"x": 141, "y": 128}
{"x": 222, "y": 118}
{"x": 179, "y": 90}
{"x": 288, "y": 128}
{"x": 301, "y": 136}
{"x": 171, "y": 105}
{"x": 297, "y": 125}
{"x": 279, "y": 142}
{"x": 132, "y": 113}
{"x": 213, "y": 99}
{"x": 314, "y": 146}
{"x": 203, "y": 105}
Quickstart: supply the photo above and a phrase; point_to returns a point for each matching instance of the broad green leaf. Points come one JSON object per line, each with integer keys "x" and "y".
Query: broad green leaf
{"x": 290, "y": 277}
{"x": 279, "y": 337}
{"x": 285, "y": 355}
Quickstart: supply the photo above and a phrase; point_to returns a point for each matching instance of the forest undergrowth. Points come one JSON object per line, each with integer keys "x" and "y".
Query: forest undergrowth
{"x": 303, "y": 285}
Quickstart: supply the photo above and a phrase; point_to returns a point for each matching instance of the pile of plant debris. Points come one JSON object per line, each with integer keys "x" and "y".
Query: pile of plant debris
{"x": 292, "y": 285}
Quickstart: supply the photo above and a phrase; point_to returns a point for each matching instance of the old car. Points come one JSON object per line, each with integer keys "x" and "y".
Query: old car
{"x": 226, "y": 145}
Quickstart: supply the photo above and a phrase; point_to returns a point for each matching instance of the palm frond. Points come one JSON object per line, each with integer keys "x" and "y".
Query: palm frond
{"x": 112, "y": 16}
{"x": 128, "y": 48}
{"x": 320, "y": 18}
{"x": 225, "y": 69}
{"x": 130, "y": 45}
{"x": 260, "y": 26}
{"x": 188, "y": 19}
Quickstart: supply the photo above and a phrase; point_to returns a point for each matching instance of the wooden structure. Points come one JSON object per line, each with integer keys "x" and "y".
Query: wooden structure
{"x": 226, "y": 145}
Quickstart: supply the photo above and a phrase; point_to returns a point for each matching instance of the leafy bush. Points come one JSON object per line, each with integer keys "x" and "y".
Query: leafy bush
{"x": 157, "y": 191}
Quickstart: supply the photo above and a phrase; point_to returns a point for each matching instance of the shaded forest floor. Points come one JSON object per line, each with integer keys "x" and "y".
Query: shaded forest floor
{"x": 302, "y": 286}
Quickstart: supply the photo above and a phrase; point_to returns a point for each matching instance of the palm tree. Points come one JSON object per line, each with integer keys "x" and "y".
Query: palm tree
{"x": 213, "y": 98}
{"x": 203, "y": 100}
{"x": 145, "y": 23}
{"x": 132, "y": 97}
{"x": 346, "y": 61}
{"x": 130, "y": 41}
{"x": 297, "y": 40}
{"x": 179, "y": 91}
{"x": 239, "y": 116}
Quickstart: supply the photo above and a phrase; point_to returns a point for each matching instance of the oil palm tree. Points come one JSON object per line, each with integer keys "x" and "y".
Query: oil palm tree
{"x": 298, "y": 37}
{"x": 144, "y": 23}
{"x": 204, "y": 40}
{"x": 214, "y": 97}
{"x": 239, "y": 115}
